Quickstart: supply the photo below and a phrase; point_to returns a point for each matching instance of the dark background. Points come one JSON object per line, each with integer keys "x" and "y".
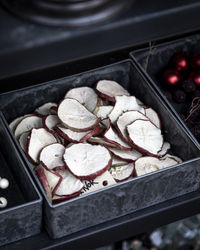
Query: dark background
{"x": 32, "y": 53}
{"x": 39, "y": 53}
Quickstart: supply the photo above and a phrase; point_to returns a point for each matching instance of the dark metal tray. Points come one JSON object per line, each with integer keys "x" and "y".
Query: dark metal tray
{"x": 23, "y": 215}
{"x": 123, "y": 198}
{"x": 118, "y": 229}
{"x": 158, "y": 59}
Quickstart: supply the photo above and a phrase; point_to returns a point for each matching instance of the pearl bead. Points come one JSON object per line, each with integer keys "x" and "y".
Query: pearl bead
{"x": 3, "y": 202}
{"x": 4, "y": 183}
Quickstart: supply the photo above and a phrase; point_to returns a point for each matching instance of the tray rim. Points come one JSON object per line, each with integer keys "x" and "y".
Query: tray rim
{"x": 161, "y": 44}
{"x": 54, "y": 206}
{"x": 65, "y": 77}
{"x": 39, "y": 196}
{"x": 133, "y": 55}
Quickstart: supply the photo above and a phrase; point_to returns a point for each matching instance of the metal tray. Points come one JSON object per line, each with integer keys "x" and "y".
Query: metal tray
{"x": 158, "y": 59}
{"x": 123, "y": 198}
{"x": 23, "y": 215}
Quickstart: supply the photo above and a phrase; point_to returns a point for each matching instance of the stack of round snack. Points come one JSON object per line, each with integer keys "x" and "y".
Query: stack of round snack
{"x": 93, "y": 132}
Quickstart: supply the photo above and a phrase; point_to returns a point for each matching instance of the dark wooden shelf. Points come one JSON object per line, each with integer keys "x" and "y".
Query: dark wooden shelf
{"x": 30, "y": 54}
{"x": 122, "y": 228}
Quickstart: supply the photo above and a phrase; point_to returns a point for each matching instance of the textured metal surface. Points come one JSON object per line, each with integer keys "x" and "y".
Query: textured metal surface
{"x": 158, "y": 59}
{"x": 25, "y": 47}
{"x": 20, "y": 223}
{"x": 67, "y": 13}
{"x": 123, "y": 198}
{"x": 22, "y": 218}
{"x": 124, "y": 227}
{"x": 110, "y": 247}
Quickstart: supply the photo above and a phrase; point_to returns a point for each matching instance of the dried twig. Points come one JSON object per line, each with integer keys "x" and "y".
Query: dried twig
{"x": 194, "y": 107}
{"x": 151, "y": 49}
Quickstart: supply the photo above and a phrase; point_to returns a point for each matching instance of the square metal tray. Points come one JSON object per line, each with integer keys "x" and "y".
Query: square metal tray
{"x": 158, "y": 59}
{"x": 22, "y": 216}
{"x": 122, "y": 198}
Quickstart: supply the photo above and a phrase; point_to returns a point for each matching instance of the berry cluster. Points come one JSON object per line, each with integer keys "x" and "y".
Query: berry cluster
{"x": 181, "y": 80}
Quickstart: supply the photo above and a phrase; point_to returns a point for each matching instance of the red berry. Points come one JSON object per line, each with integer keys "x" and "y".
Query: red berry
{"x": 179, "y": 96}
{"x": 171, "y": 77}
{"x": 195, "y": 77}
{"x": 195, "y": 60}
{"x": 180, "y": 61}
{"x": 188, "y": 86}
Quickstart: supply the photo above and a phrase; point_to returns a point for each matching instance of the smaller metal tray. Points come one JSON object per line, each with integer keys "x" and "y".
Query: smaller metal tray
{"x": 152, "y": 61}
{"x": 23, "y": 214}
{"x": 122, "y": 198}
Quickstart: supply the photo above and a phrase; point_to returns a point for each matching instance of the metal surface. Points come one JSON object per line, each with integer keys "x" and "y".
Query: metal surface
{"x": 25, "y": 47}
{"x": 118, "y": 229}
{"x": 158, "y": 59}
{"x": 22, "y": 217}
{"x": 67, "y": 13}
{"x": 34, "y": 54}
{"x": 124, "y": 198}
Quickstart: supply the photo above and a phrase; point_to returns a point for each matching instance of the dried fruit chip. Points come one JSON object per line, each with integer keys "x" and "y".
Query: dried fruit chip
{"x": 51, "y": 156}
{"x": 110, "y": 89}
{"x": 148, "y": 164}
{"x": 85, "y": 95}
{"x": 127, "y": 118}
{"x": 123, "y": 104}
{"x": 75, "y": 116}
{"x": 122, "y": 173}
{"x": 46, "y": 109}
{"x": 27, "y": 123}
{"x": 128, "y": 156}
{"x": 74, "y": 136}
{"x": 38, "y": 139}
{"x": 145, "y": 136}
{"x": 87, "y": 161}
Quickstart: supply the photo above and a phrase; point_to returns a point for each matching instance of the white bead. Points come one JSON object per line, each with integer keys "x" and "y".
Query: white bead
{"x": 4, "y": 183}
{"x": 3, "y": 202}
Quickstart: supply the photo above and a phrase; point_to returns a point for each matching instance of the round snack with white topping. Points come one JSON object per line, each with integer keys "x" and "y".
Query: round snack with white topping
{"x": 144, "y": 135}
{"x": 86, "y": 161}
{"x": 75, "y": 116}
{"x": 122, "y": 173}
{"x": 148, "y": 164}
{"x": 38, "y": 139}
{"x": 85, "y": 95}
{"x": 51, "y": 156}
{"x": 109, "y": 89}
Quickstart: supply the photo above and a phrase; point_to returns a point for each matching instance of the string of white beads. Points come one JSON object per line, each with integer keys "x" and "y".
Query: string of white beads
{"x": 4, "y": 183}
{"x": 3, "y": 202}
